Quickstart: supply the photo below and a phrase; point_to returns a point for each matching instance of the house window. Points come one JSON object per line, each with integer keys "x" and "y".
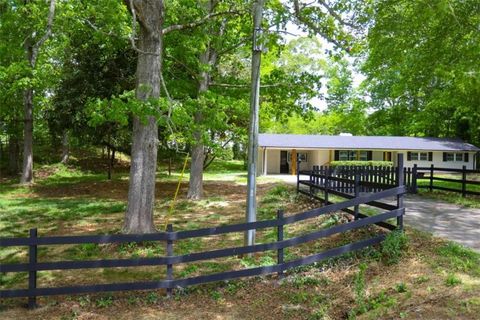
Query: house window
{"x": 303, "y": 157}
{"x": 363, "y": 156}
{"x": 419, "y": 156}
{"x": 347, "y": 155}
{"x": 416, "y": 156}
{"x": 455, "y": 156}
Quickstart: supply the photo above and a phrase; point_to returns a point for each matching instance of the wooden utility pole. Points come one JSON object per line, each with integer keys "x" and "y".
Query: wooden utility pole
{"x": 251, "y": 213}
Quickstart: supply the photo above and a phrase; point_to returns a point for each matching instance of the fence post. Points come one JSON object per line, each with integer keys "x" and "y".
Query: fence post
{"x": 431, "y": 178}
{"x": 357, "y": 193}
{"x": 400, "y": 182}
{"x": 169, "y": 254}
{"x": 464, "y": 181}
{"x": 414, "y": 179}
{"x": 327, "y": 183}
{"x": 280, "y": 238}
{"x": 32, "y": 273}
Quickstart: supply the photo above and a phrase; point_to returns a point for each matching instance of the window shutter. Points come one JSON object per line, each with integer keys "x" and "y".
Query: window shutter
{"x": 430, "y": 156}
{"x": 337, "y": 155}
{"x": 409, "y": 156}
{"x": 465, "y": 157}
{"x": 444, "y": 157}
{"x": 369, "y": 155}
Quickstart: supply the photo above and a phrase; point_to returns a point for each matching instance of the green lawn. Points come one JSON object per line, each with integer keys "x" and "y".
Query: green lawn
{"x": 427, "y": 278}
{"x": 472, "y": 201}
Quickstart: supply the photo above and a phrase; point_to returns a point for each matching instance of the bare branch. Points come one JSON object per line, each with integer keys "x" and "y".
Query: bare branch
{"x": 196, "y": 23}
{"x": 134, "y": 28}
{"x": 48, "y": 32}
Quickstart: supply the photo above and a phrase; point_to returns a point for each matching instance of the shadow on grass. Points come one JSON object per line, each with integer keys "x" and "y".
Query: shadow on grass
{"x": 19, "y": 215}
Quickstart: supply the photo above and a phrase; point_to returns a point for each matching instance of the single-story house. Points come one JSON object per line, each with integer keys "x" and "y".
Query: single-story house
{"x": 277, "y": 151}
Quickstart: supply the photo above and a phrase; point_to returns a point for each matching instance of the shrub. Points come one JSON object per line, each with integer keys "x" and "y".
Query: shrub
{"x": 392, "y": 247}
{"x": 361, "y": 163}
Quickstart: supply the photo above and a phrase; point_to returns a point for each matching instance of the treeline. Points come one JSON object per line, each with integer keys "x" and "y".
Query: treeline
{"x": 155, "y": 79}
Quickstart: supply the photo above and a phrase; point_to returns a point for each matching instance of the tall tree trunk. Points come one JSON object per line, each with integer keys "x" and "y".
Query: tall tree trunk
{"x": 141, "y": 192}
{"x": 31, "y": 53}
{"x": 209, "y": 57}
{"x": 65, "y": 147}
{"x": 13, "y": 154}
{"x": 195, "y": 188}
{"x": 27, "y": 166}
{"x": 111, "y": 163}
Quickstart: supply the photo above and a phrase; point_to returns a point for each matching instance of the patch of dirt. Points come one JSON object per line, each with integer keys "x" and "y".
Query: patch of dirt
{"x": 330, "y": 294}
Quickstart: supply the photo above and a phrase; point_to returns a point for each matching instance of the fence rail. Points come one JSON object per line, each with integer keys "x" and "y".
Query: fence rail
{"x": 170, "y": 259}
{"x": 432, "y": 170}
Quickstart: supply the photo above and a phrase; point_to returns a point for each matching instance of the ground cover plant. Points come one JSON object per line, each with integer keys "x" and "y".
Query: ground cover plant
{"x": 409, "y": 276}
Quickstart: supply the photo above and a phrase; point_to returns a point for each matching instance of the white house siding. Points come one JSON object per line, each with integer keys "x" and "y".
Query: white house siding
{"x": 273, "y": 161}
{"x": 377, "y": 155}
{"x": 321, "y": 157}
{"x": 437, "y": 161}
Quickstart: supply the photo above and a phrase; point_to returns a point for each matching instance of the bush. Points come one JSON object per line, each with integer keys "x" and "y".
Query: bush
{"x": 392, "y": 247}
{"x": 361, "y": 164}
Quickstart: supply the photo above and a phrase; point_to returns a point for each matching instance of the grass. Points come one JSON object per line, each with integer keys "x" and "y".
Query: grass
{"x": 470, "y": 201}
{"x": 424, "y": 278}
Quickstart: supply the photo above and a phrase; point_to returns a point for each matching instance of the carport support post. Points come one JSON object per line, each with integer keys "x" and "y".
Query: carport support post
{"x": 464, "y": 181}
{"x": 400, "y": 182}
{"x": 32, "y": 273}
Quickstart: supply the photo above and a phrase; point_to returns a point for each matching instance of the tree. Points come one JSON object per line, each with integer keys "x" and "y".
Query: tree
{"x": 208, "y": 60}
{"x": 150, "y": 15}
{"x": 422, "y": 61}
{"x": 141, "y": 191}
{"x": 96, "y": 67}
{"x": 32, "y": 44}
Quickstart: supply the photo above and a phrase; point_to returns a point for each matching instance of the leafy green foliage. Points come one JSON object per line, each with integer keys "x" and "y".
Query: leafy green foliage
{"x": 393, "y": 246}
{"x": 422, "y": 66}
{"x": 452, "y": 280}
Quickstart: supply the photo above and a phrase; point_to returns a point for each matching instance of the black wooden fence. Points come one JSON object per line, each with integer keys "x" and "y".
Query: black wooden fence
{"x": 351, "y": 182}
{"x": 170, "y": 260}
{"x": 347, "y": 179}
{"x": 431, "y": 174}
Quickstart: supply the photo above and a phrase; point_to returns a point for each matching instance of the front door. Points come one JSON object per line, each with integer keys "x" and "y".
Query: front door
{"x": 284, "y": 162}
